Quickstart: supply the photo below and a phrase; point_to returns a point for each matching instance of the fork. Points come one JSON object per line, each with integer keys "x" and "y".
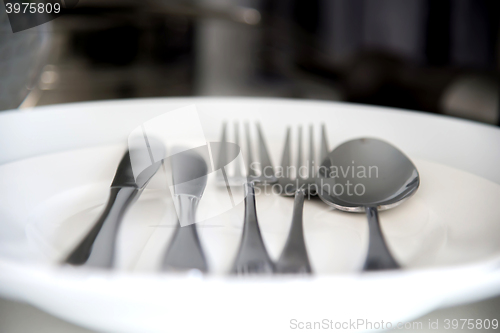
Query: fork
{"x": 235, "y": 176}
{"x": 294, "y": 258}
{"x": 252, "y": 256}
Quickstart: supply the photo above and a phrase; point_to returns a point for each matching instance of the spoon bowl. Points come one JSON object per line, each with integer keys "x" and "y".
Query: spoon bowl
{"x": 368, "y": 175}
{"x": 189, "y": 178}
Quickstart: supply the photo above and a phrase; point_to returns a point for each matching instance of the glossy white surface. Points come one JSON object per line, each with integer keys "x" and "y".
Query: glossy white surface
{"x": 58, "y": 197}
{"x": 439, "y": 220}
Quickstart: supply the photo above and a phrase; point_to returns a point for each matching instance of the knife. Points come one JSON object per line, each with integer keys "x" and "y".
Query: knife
{"x": 97, "y": 248}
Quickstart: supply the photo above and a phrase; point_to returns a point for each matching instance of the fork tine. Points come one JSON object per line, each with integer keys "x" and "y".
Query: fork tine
{"x": 324, "y": 145}
{"x": 265, "y": 160}
{"x": 222, "y": 151}
{"x": 310, "y": 162}
{"x": 299, "y": 151}
{"x": 250, "y": 170}
{"x": 237, "y": 171}
{"x": 285, "y": 159}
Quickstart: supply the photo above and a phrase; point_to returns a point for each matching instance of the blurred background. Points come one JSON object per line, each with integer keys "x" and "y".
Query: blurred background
{"x": 433, "y": 56}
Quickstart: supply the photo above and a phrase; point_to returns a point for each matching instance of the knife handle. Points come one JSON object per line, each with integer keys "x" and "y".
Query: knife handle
{"x": 97, "y": 248}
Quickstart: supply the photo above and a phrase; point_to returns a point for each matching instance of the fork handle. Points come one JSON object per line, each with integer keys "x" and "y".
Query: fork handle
{"x": 379, "y": 257}
{"x": 97, "y": 248}
{"x": 252, "y": 253}
{"x": 294, "y": 258}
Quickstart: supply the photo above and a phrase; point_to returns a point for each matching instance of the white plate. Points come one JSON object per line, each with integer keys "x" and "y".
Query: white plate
{"x": 446, "y": 235}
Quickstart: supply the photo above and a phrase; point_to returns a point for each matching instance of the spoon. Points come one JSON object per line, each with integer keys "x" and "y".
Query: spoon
{"x": 368, "y": 175}
{"x": 189, "y": 176}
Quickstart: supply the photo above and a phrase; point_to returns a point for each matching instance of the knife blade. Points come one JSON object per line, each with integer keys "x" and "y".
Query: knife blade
{"x": 97, "y": 248}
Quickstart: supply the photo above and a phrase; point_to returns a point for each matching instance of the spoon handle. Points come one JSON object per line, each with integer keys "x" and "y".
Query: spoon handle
{"x": 185, "y": 251}
{"x": 379, "y": 257}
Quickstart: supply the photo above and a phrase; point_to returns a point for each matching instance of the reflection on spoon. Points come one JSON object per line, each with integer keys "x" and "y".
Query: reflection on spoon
{"x": 368, "y": 175}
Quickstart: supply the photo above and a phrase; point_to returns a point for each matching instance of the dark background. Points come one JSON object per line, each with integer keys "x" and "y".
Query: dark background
{"x": 434, "y": 56}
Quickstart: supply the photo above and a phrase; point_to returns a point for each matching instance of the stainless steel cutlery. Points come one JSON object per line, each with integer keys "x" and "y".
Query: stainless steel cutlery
{"x": 397, "y": 179}
{"x": 252, "y": 257}
{"x": 294, "y": 258}
{"x": 259, "y": 171}
{"x": 394, "y": 180}
{"x": 97, "y": 248}
{"x": 291, "y": 176}
{"x": 189, "y": 178}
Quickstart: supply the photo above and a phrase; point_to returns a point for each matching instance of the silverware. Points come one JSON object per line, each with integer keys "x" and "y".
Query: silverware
{"x": 189, "y": 177}
{"x": 290, "y": 176}
{"x": 252, "y": 256}
{"x": 294, "y": 258}
{"x": 389, "y": 178}
{"x": 97, "y": 248}
{"x": 259, "y": 171}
